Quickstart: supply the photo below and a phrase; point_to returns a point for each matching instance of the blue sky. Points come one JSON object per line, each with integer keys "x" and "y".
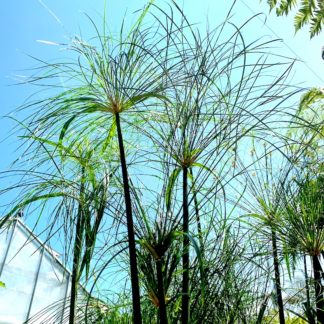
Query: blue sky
{"x": 24, "y": 23}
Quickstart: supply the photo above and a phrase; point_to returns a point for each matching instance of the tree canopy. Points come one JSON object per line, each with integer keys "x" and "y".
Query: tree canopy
{"x": 309, "y": 12}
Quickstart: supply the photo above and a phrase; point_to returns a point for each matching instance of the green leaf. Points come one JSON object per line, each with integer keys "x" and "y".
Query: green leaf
{"x": 172, "y": 179}
{"x": 27, "y": 202}
{"x": 262, "y": 310}
{"x": 201, "y": 265}
{"x": 141, "y": 98}
{"x": 65, "y": 128}
{"x": 202, "y": 166}
{"x": 111, "y": 135}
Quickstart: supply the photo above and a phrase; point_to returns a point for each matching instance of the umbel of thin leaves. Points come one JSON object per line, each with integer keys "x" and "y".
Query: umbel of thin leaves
{"x": 75, "y": 185}
{"x": 263, "y": 179}
{"x": 303, "y": 226}
{"x": 111, "y": 81}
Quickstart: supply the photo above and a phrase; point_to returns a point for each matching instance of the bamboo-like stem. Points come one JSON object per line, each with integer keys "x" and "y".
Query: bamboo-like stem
{"x": 77, "y": 249}
{"x": 306, "y": 284}
{"x": 199, "y": 228}
{"x": 318, "y": 289}
{"x": 137, "y": 316}
{"x": 161, "y": 295}
{"x": 277, "y": 277}
{"x": 308, "y": 301}
{"x": 185, "y": 256}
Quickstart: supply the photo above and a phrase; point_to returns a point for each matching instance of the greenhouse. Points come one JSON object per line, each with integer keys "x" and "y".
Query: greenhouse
{"x": 33, "y": 278}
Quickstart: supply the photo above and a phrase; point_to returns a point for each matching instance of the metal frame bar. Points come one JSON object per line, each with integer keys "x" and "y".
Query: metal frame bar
{"x": 8, "y": 247}
{"x": 65, "y": 295}
{"x": 35, "y": 283}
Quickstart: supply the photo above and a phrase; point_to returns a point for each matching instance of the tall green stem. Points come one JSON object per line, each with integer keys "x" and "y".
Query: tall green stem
{"x": 306, "y": 283}
{"x": 75, "y": 272}
{"x": 77, "y": 249}
{"x": 199, "y": 228}
{"x": 161, "y": 294}
{"x": 277, "y": 277}
{"x": 318, "y": 289}
{"x": 309, "y": 309}
{"x": 185, "y": 256}
{"x": 137, "y": 316}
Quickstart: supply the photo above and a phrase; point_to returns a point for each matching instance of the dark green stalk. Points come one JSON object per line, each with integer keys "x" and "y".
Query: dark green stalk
{"x": 90, "y": 238}
{"x": 161, "y": 294}
{"x": 200, "y": 234}
{"x": 75, "y": 270}
{"x": 277, "y": 277}
{"x": 309, "y": 309}
{"x": 137, "y": 316}
{"x": 185, "y": 256}
{"x": 77, "y": 255}
{"x": 318, "y": 290}
{"x": 306, "y": 284}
